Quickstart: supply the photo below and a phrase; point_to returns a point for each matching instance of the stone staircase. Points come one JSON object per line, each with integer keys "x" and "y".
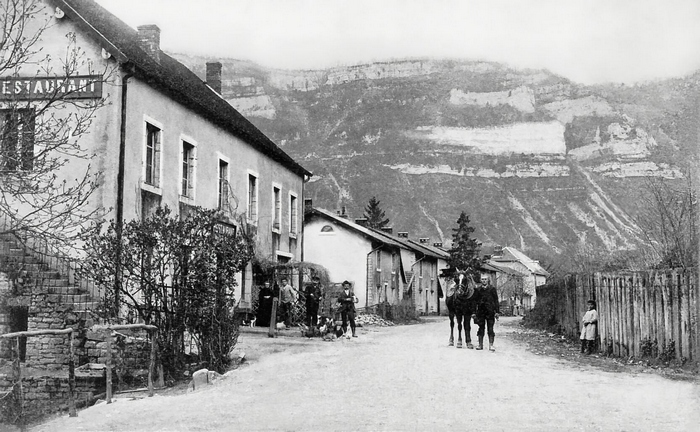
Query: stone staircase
{"x": 47, "y": 286}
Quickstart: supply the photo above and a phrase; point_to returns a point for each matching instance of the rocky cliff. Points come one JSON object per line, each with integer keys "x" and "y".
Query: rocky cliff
{"x": 539, "y": 162}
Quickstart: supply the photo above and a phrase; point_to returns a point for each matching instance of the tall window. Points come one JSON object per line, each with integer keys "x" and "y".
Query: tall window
{"x": 277, "y": 208}
{"x": 223, "y": 184}
{"x": 17, "y": 139}
{"x": 153, "y": 139}
{"x": 187, "y": 169}
{"x": 252, "y": 198}
{"x": 293, "y": 215}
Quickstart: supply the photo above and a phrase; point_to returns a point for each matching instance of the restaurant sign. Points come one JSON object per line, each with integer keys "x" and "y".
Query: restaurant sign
{"x": 75, "y": 87}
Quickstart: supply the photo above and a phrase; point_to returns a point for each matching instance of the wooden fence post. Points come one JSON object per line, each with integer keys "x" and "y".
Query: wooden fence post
{"x": 17, "y": 379}
{"x": 152, "y": 363}
{"x": 695, "y": 176}
{"x": 71, "y": 378}
{"x": 108, "y": 364}
{"x": 273, "y": 318}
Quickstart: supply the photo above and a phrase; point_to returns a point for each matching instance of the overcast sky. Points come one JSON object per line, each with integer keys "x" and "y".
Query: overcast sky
{"x": 588, "y": 41}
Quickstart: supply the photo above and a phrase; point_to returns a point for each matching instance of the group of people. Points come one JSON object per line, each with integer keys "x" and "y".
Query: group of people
{"x": 313, "y": 294}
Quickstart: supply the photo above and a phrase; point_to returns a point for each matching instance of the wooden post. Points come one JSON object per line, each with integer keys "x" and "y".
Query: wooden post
{"x": 19, "y": 394}
{"x": 271, "y": 332}
{"x": 72, "y": 412}
{"x": 108, "y": 394}
{"x": 695, "y": 176}
{"x": 152, "y": 363}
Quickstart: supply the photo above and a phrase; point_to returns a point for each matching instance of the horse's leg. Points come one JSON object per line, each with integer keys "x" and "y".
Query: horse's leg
{"x": 452, "y": 328}
{"x": 459, "y": 330}
{"x": 468, "y": 329}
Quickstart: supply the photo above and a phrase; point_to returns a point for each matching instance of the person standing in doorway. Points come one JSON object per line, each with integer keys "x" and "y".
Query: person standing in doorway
{"x": 347, "y": 302}
{"x": 264, "y": 305}
{"x": 487, "y": 311}
{"x": 288, "y": 296}
{"x": 589, "y": 326}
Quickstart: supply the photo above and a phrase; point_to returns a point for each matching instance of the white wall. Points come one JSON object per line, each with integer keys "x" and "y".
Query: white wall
{"x": 342, "y": 252}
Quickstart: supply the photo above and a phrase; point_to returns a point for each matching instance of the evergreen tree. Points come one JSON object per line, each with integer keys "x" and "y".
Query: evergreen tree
{"x": 464, "y": 254}
{"x": 376, "y": 218}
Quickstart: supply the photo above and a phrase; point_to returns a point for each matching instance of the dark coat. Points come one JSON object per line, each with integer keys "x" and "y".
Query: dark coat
{"x": 264, "y": 310}
{"x": 487, "y": 302}
{"x": 313, "y": 294}
{"x": 347, "y": 302}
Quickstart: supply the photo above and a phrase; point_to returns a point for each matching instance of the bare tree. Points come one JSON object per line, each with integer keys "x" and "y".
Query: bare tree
{"x": 43, "y": 116}
{"x": 668, "y": 222}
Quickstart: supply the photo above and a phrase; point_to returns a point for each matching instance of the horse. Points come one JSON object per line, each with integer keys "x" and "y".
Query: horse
{"x": 460, "y": 304}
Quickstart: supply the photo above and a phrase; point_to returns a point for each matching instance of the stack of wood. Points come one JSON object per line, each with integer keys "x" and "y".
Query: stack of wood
{"x": 372, "y": 320}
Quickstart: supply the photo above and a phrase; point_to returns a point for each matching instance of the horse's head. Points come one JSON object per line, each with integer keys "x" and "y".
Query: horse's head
{"x": 464, "y": 285}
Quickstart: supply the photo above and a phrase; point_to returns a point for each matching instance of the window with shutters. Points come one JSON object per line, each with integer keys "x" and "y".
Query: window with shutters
{"x": 223, "y": 201}
{"x": 276, "y": 208}
{"x": 252, "y": 198}
{"x": 17, "y": 134}
{"x": 153, "y": 150}
{"x": 293, "y": 216}
{"x": 188, "y": 155}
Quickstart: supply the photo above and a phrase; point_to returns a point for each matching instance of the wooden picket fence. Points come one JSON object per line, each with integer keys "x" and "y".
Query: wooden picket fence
{"x": 641, "y": 314}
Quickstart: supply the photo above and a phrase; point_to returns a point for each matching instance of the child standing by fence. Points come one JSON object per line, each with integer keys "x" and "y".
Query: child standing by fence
{"x": 588, "y": 329}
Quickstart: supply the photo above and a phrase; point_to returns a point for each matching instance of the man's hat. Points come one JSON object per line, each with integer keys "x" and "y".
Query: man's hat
{"x": 346, "y": 283}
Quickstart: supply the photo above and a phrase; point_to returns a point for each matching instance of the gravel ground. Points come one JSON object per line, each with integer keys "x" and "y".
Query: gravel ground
{"x": 406, "y": 378}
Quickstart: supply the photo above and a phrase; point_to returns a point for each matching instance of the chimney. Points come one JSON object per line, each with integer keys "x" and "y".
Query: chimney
{"x": 403, "y": 234}
{"x": 497, "y": 250}
{"x": 214, "y": 76}
{"x": 149, "y": 37}
{"x": 437, "y": 244}
{"x": 343, "y": 213}
{"x": 388, "y": 230}
{"x": 423, "y": 240}
{"x": 361, "y": 221}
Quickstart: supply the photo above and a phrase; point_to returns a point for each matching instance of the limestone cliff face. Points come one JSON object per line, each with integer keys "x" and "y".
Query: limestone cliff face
{"x": 521, "y": 98}
{"x": 538, "y": 162}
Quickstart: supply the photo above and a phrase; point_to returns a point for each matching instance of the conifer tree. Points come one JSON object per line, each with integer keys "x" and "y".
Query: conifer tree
{"x": 464, "y": 254}
{"x": 376, "y": 218}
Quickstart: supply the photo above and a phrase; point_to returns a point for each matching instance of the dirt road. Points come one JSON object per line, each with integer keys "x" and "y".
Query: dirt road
{"x": 405, "y": 378}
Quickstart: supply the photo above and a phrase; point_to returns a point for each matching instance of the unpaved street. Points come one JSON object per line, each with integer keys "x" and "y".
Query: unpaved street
{"x": 405, "y": 378}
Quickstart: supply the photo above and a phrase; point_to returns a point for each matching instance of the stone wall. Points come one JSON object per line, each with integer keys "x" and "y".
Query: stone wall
{"x": 45, "y": 369}
{"x": 47, "y": 394}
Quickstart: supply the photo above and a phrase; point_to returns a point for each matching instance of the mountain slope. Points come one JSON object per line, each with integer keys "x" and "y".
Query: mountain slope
{"x": 538, "y": 162}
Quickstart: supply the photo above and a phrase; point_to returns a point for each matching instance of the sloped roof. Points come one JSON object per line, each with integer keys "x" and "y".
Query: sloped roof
{"x": 431, "y": 250}
{"x": 492, "y": 266}
{"x": 410, "y": 244}
{"x": 511, "y": 254}
{"x": 347, "y": 223}
{"x": 170, "y": 76}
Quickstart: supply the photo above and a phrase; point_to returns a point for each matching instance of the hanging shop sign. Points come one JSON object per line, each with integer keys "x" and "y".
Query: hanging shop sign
{"x": 224, "y": 228}
{"x": 76, "y": 87}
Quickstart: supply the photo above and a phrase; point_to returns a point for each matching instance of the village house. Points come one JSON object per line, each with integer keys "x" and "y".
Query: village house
{"x": 431, "y": 287}
{"x": 509, "y": 284}
{"x": 351, "y": 251}
{"x": 164, "y": 137}
{"x": 533, "y": 275}
{"x": 383, "y": 268}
